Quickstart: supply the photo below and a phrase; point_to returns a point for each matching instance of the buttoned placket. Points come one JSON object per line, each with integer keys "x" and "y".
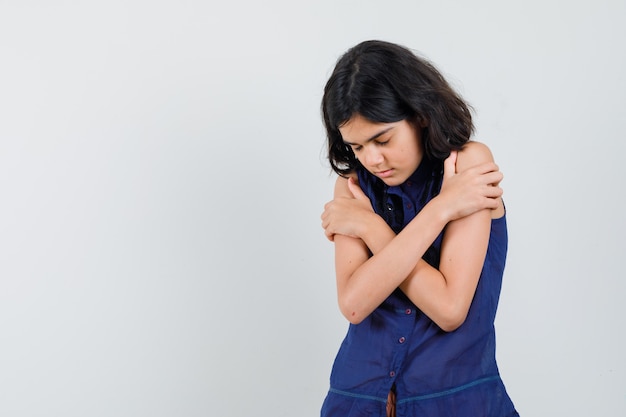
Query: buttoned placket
{"x": 407, "y": 320}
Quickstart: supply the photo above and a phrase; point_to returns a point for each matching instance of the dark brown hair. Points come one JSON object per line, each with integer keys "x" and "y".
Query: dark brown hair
{"x": 385, "y": 83}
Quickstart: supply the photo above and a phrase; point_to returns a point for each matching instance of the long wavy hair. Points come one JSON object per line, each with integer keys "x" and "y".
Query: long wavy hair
{"x": 385, "y": 83}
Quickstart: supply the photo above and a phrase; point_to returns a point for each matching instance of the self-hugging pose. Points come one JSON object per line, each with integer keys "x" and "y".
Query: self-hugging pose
{"x": 419, "y": 230}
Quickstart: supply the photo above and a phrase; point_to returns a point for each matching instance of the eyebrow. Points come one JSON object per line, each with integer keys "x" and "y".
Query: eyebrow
{"x": 376, "y": 136}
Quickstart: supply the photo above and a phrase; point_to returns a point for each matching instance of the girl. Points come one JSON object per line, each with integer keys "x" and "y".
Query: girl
{"x": 420, "y": 239}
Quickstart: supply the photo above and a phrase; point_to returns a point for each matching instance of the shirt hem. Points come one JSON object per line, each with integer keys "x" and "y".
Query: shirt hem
{"x": 360, "y": 396}
{"x": 449, "y": 391}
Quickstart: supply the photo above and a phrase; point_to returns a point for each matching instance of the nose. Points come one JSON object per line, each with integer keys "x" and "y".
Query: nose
{"x": 373, "y": 156}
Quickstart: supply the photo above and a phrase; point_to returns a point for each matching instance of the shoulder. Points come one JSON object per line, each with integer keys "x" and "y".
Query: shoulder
{"x": 472, "y": 154}
{"x": 341, "y": 185}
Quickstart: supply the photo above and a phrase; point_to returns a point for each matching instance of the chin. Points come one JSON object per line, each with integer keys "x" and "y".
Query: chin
{"x": 392, "y": 182}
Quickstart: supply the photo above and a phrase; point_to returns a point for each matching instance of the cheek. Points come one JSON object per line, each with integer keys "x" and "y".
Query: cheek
{"x": 404, "y": 153}
{"x": 409, "y": 156}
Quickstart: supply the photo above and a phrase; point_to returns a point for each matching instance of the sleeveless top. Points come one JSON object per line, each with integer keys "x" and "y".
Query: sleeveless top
{"x": 434, "y": 373}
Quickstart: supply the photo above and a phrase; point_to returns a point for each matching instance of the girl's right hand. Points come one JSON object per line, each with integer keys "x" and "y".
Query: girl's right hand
{"x": 474, "y": 189}
{"x": 348, "y": 212}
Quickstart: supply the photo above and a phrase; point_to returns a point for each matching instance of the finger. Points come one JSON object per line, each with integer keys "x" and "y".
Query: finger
{"x": 483, "y": 175}
{"x": 449, "y": 165}
{"x": 491, "y": 203}
{"x": 493, "y": 192}
{"x": 324, "y": 215}
{"x": 486, "y": 167}
{"x": 325, "y": 225}
{"x": 493, "y": 178}
{"x": 356, "y": 191}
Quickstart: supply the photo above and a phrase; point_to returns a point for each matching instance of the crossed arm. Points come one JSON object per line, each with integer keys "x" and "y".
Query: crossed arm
{"x": 464, "y": 207}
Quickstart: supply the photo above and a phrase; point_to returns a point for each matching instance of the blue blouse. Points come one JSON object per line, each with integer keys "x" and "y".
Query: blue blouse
{"x": 434, "y": 373}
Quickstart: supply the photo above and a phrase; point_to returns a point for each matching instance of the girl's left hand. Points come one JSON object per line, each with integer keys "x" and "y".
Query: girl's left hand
{"x": 347, "y": 215}
{"x": 474, "y": 189}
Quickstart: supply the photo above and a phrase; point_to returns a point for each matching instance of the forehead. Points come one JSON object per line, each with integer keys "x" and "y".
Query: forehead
{"x": 359, "y": 129}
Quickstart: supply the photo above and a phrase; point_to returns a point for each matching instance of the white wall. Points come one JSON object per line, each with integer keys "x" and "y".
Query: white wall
{"x": 162, "y": 176}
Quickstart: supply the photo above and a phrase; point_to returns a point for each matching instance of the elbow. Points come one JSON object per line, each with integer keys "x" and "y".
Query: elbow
{"x": 353, "y": 319}
{"x": 450, "y": 325}
{"x": 451, "y": 319}
{"x": 351, "y": 310}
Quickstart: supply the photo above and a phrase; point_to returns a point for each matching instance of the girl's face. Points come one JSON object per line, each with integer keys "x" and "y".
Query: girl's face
{"x": 390, "y": 151}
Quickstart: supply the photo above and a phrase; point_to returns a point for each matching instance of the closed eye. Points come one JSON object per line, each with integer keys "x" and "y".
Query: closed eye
{"x": 358, "y": 148}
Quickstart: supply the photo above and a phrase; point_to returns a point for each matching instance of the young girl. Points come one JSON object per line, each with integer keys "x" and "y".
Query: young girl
{"x": 420, "y": 239}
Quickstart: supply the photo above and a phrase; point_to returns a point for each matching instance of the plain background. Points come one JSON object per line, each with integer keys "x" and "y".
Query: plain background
{"x": 162, "y": 174}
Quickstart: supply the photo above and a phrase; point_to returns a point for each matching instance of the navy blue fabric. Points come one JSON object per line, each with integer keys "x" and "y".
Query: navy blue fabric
{"x": 434, "y": 373}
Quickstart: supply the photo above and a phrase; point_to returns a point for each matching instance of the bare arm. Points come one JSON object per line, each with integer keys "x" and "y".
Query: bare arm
{"x": 364, "y": 282}
{"x": 445, "y": 295}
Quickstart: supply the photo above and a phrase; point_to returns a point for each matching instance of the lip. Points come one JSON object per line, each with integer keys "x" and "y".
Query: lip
{"x": 385, "y": 174}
